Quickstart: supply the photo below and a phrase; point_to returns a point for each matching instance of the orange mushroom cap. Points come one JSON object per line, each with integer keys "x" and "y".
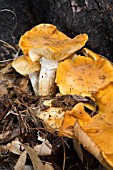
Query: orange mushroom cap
{"x": 40, "y": 35}
{"x": 24, "y": 67}
{"x": 70, "y": 117}
{"x": 84, "y": 76}
{"x": 46, "y": 41}
{"x": 97, "y": 136}
{"x": 94, "y": 133}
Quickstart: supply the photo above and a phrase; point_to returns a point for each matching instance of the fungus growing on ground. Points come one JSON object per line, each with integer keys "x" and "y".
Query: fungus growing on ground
{"x": 52, "y": 117}
{"x": 90, "y": 75}
{"x": 45, "y": 44}
{"x": 85, "y": 75}
{"x": 24, "y": 67}
{"x": 94, "y": 133}
{"x": 97, "y": 136}
{"x": 40, "y": 35}
{"x": 70, "y": 117}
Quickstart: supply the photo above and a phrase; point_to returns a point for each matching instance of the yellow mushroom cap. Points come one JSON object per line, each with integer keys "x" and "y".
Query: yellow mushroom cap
{"x": 46, "y": 41}
{"x": 39, "y": 36}
{"x": 94, "y": 133}
{"x": 70, "y": 117}
{"x": 60, "y": 50}
{"x": 83, "y": 76}
{"x": 97, "y": 136}
{"x": 52, "y": 116}
{"x": 24, "y": 67}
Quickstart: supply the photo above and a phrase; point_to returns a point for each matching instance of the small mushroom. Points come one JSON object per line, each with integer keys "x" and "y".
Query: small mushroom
{"x": 52, "y": 117}
{"x": 45, "y": 44}
{"x": 24, "y": 67}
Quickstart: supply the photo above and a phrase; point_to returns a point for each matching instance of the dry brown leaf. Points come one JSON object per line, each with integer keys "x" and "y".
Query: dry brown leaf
{"x": 78, "y": 149}
{"x": 28, "y": 167}
{"x": 44, "y": 149}
{"x": 24, "y": 85}
{"x": 7, "y": 136}
{"x": 37, "y": 163}
{"x": 3, "y": 88}
{"x": 84, "y": 76}
{"x": 20, "y": 165}
{"x": 6, "y": 69}
{"x": 97, "y": 136}
{"x": 14, "y": 147}
{"x": 4, "y": 135}
{"x": 48, "y": 166}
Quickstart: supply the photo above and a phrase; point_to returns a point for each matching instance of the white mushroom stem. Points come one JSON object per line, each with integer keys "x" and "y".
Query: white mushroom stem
{"x": 34, "y": 82}
{"x": 47, "y": 76}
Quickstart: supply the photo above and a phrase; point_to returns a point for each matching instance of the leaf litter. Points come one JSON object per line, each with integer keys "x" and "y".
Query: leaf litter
{"x": 20, "y": 128}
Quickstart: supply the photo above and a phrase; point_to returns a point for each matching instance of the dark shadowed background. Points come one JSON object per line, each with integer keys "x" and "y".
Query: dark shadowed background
{"x": 94, "y": 17}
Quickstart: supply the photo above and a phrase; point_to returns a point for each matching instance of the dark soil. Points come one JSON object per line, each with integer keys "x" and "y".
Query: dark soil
{"x": 94, "y": 17}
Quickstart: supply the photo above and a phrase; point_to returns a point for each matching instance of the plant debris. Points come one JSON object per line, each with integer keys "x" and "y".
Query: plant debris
{"x": 20, "y": 125}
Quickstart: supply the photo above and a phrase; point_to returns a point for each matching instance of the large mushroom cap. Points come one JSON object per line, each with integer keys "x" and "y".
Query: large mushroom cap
{"x": 59, "y": 49}
{"x": 94, "y": 133}
{"x": 24, "y": 67}
{"x": 46, "y": 41}
{"x": 39, "y": 36}
{"x": 97, "y": 136}
{"x": 84, "y": 75}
